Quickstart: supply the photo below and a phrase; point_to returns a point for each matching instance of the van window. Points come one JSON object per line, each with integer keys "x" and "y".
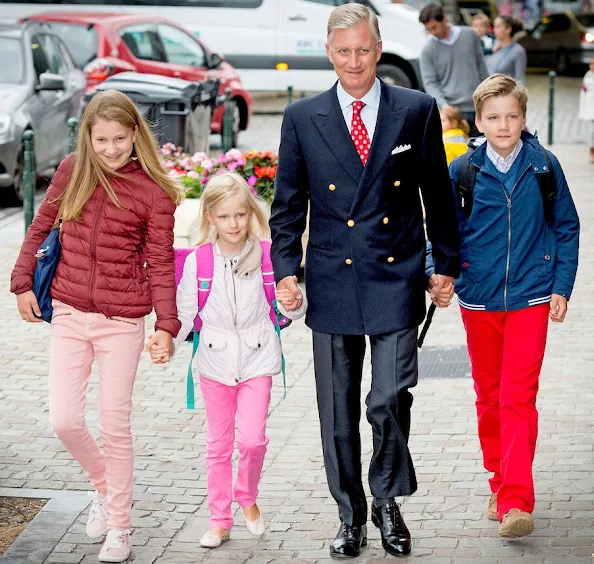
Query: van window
{"x": 192, "y": 3}
{"x": 328, "y": 2}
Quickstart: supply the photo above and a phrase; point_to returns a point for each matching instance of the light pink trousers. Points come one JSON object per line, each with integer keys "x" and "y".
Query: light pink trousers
{"x": 248, "y": 402}
{"x": 77, "y": 339}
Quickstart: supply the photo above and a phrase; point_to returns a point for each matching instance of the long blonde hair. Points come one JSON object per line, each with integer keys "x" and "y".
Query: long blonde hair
{"x": 89, "y": 170}
{"x": 222, "y": 186}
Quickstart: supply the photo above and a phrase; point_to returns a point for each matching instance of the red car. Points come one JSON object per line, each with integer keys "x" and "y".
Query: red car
{"x": 103, "y": 44}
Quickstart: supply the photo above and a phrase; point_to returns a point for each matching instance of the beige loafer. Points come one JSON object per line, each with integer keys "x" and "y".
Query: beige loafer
{"x": 212, "y": 540}
{"x": 516, "y": 523}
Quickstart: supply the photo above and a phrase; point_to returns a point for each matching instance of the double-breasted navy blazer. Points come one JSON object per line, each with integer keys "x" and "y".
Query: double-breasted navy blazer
{"x": 364, "y": 269}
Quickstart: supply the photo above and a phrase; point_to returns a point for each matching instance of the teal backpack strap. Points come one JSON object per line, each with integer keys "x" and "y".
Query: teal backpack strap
{"x": 278, "y": 332}
{"x": 204, "y": 276}
{"x": 190, "y": 404}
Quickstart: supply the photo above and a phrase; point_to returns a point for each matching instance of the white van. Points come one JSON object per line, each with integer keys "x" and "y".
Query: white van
{"x": 273, "y": 44}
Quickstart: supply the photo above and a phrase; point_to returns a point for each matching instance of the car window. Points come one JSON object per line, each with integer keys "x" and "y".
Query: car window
{"x": 181, "y": 48}
{"x": 587, "y": 20}
{"x": 40, "y": 62}
{"x": 66, "y": 55}
{"x": 12, "y": 67}
{"x": 54, "y": 57}
{"x": 81, "y": 42}
{"x": 143, "y": 42}
{"x": 556, "y": 24}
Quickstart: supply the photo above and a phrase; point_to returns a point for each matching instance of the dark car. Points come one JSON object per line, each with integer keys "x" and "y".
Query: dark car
{"x": 40, "y": 88}
{"x": 560, "y": 41}
{"x": 105, "y": 44}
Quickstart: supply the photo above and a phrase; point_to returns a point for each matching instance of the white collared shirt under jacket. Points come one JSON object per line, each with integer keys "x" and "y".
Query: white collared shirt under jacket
{"x": 238, "y": 340}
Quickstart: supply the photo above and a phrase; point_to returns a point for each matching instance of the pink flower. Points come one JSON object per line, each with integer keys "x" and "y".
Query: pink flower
{"x": 253, "y": 191}
{"x": 240, "y": 161}
{"x": 207, "y": 165}
{"x": 222, "y": 158}
{"x": 192, "y": 174}
{"x": 168, "y": 148}
{"x": 233, "y": 154}
{"x": 198, "y": 157}
{"x": 169, "y": 164}
{"x": 204, "y": 180}
{"x": 232, "y": 166}
{"x": 252, "y": 180}
{"x": 173, "y": 173}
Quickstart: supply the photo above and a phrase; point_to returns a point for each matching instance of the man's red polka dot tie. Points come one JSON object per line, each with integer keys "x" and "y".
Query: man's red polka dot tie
{"x": 359, "y": 132}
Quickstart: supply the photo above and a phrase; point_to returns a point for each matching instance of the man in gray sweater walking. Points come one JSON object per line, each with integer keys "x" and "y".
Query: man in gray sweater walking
{"x": 452, "y": 63}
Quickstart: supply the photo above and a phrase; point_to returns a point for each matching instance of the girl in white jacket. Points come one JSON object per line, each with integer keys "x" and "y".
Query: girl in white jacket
{"x": 239, "y": 350}
{"x": 586, "y": 111}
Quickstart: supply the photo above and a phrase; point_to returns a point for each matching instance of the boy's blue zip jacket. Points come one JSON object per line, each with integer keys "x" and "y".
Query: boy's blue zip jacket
{"x": 509, "y": 257}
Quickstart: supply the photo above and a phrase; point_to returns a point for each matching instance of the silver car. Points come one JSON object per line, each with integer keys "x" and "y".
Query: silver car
{"x": 40, "y": 89}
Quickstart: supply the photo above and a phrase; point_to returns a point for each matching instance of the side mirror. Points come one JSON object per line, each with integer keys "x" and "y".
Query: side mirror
{"x": 49, "y": 81}
{"x": 215, "y": 60}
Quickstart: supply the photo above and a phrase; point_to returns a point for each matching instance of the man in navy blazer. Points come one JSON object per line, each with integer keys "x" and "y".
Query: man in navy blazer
{"x": 358, "y": 154}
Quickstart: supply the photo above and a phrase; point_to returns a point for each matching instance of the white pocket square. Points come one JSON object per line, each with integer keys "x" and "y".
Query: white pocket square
{"x": 400, "y": 149}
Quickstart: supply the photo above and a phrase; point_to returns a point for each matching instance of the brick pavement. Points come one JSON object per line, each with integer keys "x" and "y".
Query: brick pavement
{"x": 445, "y": 515}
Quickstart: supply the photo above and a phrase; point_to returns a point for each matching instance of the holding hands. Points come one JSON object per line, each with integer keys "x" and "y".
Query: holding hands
{"x": 288, "y": 293}
{"x": 160, "y": 347}
{"x": 441, "y": 290}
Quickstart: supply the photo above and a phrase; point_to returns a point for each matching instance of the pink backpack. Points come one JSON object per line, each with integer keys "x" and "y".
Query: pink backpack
{"x": 204, "y": 275}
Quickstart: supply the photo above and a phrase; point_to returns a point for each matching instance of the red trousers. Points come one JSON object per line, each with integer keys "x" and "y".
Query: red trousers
{"x": 506, "y": 351}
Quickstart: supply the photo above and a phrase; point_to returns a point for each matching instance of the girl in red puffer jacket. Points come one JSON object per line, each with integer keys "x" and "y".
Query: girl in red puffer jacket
{"x": 116, "y": 202}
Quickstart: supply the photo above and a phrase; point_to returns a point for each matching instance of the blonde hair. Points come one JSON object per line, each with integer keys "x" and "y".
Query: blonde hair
{"x": 454, "y": 115}
{"x": 481, "y": 17}
{"x": 499, "y": 85}
{"x": 222, "y": 186}
{"x": 349, "y": 15}
{"x": 89, "y": 170}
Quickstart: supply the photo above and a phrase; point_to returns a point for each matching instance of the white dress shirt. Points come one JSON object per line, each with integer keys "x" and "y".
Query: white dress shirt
{"x": 369, "y": 111}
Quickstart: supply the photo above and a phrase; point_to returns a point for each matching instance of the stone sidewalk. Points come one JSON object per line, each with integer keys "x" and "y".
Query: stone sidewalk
{"x": 445, "y": 515}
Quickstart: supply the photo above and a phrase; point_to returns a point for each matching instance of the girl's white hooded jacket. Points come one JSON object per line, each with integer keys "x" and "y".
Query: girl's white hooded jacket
{"x": 238, "y": 340}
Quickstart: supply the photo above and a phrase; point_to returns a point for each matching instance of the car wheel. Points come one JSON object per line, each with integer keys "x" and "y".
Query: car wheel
{"x": 393, "y": 75}
{"x": 236, "y": 123}
{"x": 15, "y": 193}
{"x": 561, "y": 62}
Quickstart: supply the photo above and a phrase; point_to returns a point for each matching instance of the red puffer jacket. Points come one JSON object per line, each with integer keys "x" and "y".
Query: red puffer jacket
{"x": 102, "y": 266}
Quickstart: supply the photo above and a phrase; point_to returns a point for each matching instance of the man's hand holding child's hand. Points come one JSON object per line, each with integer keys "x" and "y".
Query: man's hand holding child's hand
{"x": 441, "y": 290}
{"x": 288, "y": 293}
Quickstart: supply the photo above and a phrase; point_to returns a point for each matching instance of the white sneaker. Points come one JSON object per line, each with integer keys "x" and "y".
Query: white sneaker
{"x": 116, "y": 547}
{"x": 97, "y": 521}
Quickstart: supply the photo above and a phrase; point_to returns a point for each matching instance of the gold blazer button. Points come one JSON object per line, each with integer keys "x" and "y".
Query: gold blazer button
{"x": 397, "y": 183}
{"x": 332, "y": 187}
{"x": 390, "y": 259}
{"x": 350, "y": 223}
{"x": 348, "y": 261}
{"x": 386, "y": 221}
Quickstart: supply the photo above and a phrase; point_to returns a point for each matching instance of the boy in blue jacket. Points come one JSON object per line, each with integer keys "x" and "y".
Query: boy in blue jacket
{"x": 517, "y": 272}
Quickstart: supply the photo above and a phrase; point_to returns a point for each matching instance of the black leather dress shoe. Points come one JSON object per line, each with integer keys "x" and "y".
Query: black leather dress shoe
{"x": 395, "y": 535}
{"x": 348, "y": 541}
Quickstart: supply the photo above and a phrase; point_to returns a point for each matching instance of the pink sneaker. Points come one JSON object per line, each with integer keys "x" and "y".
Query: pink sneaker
{"x": 97, "y": 520}
{"x": 116, "y": 547}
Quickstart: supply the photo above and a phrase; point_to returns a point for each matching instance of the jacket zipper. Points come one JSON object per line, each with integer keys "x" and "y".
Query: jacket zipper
{"x": 94, "y": 248}
{"x": 509, "y": 206}
{"x": 234, "y": 312}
